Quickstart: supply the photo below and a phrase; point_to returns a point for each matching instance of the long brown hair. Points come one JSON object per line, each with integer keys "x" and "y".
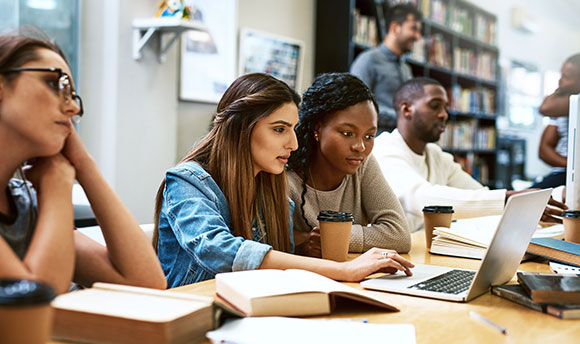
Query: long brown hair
{"x": 225, "y": 154}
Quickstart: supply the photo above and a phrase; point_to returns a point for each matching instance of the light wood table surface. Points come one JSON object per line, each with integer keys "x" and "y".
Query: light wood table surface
{"x": 449, "y": 322}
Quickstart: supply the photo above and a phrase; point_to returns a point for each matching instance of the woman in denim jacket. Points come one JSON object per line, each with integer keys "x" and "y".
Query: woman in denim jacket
{"x": 225, "y": 206}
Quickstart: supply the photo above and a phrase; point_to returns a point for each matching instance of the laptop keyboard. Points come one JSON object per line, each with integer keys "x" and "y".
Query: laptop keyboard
{"x": 452, "y": 282}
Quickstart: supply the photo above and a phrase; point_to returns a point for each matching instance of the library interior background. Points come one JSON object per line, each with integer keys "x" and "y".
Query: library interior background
{"x": 148, "y": 102}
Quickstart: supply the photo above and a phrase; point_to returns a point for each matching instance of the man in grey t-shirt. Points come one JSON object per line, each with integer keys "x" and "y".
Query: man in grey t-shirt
{"x": 381, "y": 68}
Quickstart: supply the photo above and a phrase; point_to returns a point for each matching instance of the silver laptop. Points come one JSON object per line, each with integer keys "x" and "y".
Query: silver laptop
{"x": 500, "y": 262}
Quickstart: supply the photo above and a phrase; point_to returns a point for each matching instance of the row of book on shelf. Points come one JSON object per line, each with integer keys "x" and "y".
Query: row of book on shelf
{"x": 460, "y": 19}
{"x": 464, "y": 60}
{"x": 364, "y": 29}
{"x": 467, "y": 135}
{"x": 476, "y": 166}
{"x": 472, "y": 100}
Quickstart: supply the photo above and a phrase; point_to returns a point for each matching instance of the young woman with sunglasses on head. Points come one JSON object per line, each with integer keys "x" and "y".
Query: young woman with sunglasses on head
{"x": 225, "y": 206}
{"x": 37, "y": 240}
{"x": 334, "y": 170}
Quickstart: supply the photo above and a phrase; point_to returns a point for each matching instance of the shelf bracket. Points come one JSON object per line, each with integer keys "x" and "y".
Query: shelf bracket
{"x": 164, "y": 50}
{"x": 139, "y": 41}
{"x": 145, "y": 28}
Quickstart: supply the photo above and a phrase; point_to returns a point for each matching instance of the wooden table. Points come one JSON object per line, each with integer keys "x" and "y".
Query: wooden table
{"x": 449, "y": 322}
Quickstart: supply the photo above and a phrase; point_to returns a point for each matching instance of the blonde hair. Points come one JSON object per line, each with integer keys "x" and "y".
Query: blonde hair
{"x": 224, "y": 153}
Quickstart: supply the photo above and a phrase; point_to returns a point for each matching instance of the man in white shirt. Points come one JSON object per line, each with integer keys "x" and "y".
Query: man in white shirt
{"x": 419, "y": 172}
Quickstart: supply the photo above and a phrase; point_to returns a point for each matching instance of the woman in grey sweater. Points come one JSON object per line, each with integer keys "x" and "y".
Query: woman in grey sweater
{"x": 333, "y": 169}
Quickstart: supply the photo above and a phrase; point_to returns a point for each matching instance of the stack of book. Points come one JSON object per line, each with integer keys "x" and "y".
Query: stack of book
{"x": 554, "y": 294}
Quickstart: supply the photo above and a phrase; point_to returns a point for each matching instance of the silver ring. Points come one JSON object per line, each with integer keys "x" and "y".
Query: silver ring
{"x": 385, "y": 254}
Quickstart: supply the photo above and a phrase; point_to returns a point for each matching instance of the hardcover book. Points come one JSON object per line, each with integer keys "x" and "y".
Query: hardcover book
{"x": 554, "y": 249}
{"x": 287, "y": 293}
{"x": 551, "y": 288}
{"x": 517, "y": 294}
{"x": 111, "y": 313}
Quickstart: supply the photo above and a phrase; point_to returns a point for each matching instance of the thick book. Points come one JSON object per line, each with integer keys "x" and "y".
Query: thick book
{"x": 288, "y": 293}
{"x": 470, "y": 238}
{"x": 550, "y": 288}
{"x": 554, "y": 249}
{"x": 111, "y": 313}
{"x": 517, "y": 294}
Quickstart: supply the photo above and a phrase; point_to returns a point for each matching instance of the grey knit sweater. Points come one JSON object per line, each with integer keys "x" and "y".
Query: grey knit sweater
{"x": 379, "y": 220}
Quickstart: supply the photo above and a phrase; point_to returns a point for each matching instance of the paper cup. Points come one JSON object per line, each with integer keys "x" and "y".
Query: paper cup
{"x": 435, "y": 216}
{"x": 571, "y": 219}
{"x": 335, "y": 230}
{"x": 25, "y": 312}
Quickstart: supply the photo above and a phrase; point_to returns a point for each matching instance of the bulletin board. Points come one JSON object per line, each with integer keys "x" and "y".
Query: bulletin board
{"x": 278, "y": 56}
{"x": 208, "y": 59}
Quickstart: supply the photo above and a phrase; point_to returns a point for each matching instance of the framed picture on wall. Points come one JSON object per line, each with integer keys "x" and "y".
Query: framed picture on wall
{"x": 271, "y": 54}
{"x": 208, "y": 59}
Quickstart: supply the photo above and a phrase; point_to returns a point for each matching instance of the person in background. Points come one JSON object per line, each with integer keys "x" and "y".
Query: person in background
{"x": 37, "y": 241}
{"x": 421, "y": 173}
{"x": 553, "y": 148}
{"x": 381, "y": 68}
{"x": 225, "y": 206}
{"x": 333, "y": 168}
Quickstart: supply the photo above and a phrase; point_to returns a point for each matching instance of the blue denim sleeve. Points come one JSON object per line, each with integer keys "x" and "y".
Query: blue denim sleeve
{"x": 196, "y": 211}
{"x": 291, "y": 224}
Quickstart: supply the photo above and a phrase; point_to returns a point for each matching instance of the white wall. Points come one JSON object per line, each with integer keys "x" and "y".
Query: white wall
{"x": 290, "y": 18}
{"x": 557, "y": 37}
{"x": 131, "y": 106}
{"x": 134, "y": 125}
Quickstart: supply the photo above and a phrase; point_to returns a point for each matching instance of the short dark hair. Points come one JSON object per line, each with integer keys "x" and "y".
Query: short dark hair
{"x": 412, "y": 90}
{"x": 399, "y": 14}
{"x": 575, "y": 60}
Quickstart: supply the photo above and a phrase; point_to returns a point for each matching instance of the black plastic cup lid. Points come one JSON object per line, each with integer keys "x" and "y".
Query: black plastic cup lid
{"x": 441, "y": 209}
{"x": 335, "y": 216}
{"x": 571, "y": 214}
{"x": 24, "y": 292}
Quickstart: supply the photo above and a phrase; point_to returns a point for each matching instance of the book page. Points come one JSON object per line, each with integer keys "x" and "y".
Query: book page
{"x": 479, "y": 231}
{"x": 139, "y": 306}
{"x": 263, "y": 329}
{"x": 270, "y": 282}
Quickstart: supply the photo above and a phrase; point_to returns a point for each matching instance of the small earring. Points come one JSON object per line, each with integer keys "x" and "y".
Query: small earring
{"x": 316, "y": 136}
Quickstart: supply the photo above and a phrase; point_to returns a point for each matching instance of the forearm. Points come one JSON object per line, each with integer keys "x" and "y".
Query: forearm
{"x": 131, "y": 258}
{"x": 555, "y": 105}
{"x": 551, "y": 157}
{"x": 388, "y": 235}
{"x": 280, "y": 260}
{"x": 50, "y": 256}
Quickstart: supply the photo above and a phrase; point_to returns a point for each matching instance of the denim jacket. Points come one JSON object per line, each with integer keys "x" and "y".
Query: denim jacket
{"x": 195, "y": 239}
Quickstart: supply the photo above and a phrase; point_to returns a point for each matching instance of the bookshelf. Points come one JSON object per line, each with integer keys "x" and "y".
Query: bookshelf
{"x": 458, "y": 48}
{"x": 345, "y": 28}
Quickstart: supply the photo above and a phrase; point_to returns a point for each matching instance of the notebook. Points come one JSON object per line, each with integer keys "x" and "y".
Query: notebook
{"x": 502, "y": 258}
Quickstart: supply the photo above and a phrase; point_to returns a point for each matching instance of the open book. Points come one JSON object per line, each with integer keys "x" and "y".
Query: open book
{"x": 287, "y": 293}
{"x": 470, "y": 238}
{"x": 114, "y": 313}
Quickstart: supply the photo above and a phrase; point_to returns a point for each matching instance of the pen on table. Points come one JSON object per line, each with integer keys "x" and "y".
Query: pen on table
{"x": 481, "y": 318}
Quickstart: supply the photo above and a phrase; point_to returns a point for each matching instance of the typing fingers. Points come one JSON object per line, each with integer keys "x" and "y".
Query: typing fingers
{"x": 395, "y": 260}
